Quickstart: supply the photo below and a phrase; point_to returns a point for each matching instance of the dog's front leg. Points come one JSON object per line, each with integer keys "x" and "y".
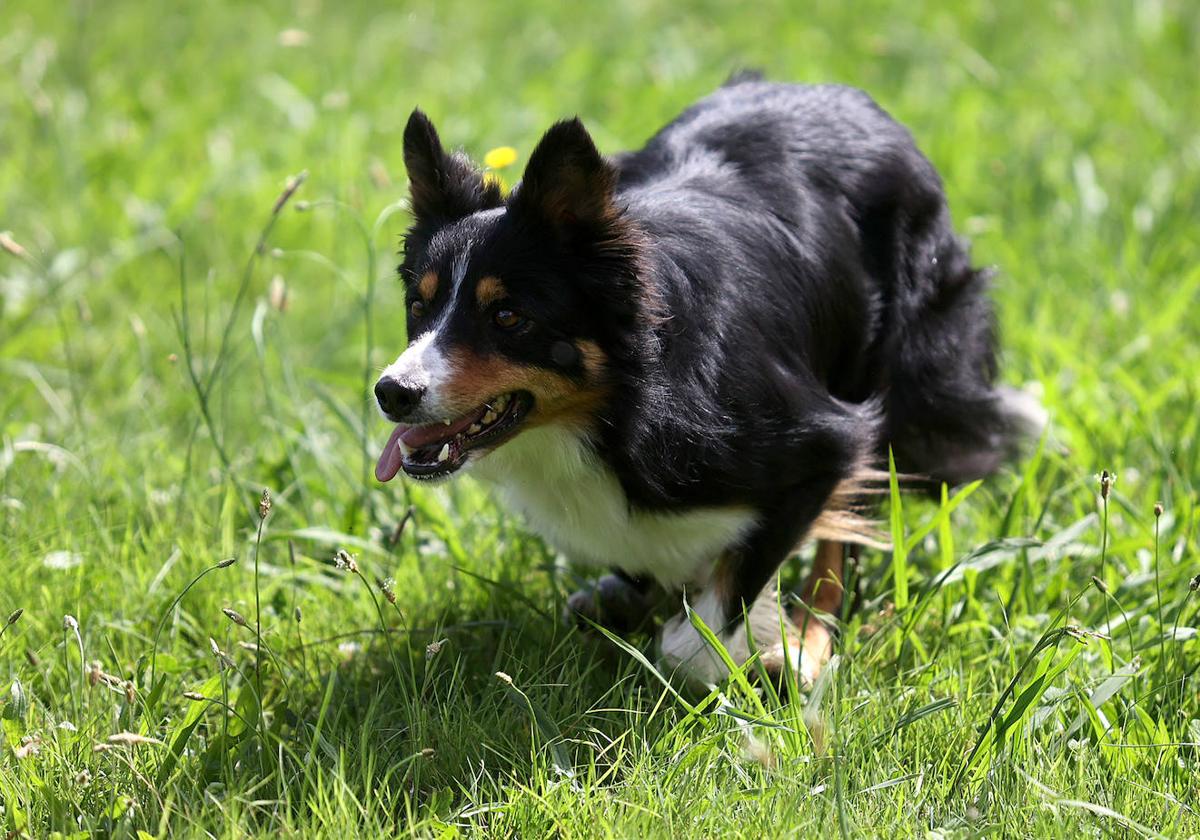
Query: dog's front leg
{"x": 737, "y": 594}
{"x": 620, "y": 602}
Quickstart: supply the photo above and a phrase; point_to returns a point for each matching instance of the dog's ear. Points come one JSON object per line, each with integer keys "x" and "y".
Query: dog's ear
{"x": 567, "y": 182}
{"x": 443, "y": 187}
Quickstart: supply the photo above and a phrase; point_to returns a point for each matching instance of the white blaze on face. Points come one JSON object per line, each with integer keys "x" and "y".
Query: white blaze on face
{"x": 423, "y": 366}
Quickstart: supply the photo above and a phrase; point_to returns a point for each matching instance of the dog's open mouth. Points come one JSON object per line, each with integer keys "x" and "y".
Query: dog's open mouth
{"x": 439, "y": 449}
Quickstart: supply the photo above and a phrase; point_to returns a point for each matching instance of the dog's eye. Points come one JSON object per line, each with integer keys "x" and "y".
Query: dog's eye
{"x": 417, "y": 309}
{"x": 506, "y": 319}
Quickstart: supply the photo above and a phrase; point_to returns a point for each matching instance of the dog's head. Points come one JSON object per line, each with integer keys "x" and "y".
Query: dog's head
{"x": 511, "y": 304}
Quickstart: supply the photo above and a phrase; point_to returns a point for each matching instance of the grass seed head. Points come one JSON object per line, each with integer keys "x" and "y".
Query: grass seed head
{"x": 1081, "y": 634}
{"x": 289, "y": 190}
{"x": 226, "y": 563}
{"x": 264, "y": 504}
{"x": 299, "y": 616}
{"x": 195, "y": 696}
{"x": 345, "y": 560}
{"x": 14, "y": 618}
{"x": 1158, "y": 509}
{"x": 235, "y": 616}
{"x": 70, "y": 623}
{"x": 1195, "y": 583}
{"x": 11, "y": 245}
{"x": 1106, "y": 483}
{"x": 388, "y": 588}
{"x": 1101, "y": 585}
{"x": 223, "y": 660}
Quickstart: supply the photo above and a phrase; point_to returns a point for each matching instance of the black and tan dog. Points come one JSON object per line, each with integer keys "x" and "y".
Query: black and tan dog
{"x": 677, "y": 362}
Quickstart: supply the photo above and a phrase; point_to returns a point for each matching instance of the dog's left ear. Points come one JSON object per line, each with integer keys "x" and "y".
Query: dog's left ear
{"x": 444, "y": 187}
{"x": 567, "y": 182}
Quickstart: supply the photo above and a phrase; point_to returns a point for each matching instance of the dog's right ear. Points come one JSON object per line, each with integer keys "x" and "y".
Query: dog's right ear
{"x": 567, "y": 182}
{"x": 443, "y": 187}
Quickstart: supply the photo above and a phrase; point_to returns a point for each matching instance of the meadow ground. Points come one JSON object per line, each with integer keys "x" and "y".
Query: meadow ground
{"x": 161, "y": 366}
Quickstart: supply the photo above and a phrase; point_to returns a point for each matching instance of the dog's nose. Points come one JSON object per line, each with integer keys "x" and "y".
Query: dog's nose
{"x": 395, "y": 399}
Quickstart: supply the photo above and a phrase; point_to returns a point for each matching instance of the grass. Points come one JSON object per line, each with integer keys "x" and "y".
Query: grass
{"x": 154, "y": 382}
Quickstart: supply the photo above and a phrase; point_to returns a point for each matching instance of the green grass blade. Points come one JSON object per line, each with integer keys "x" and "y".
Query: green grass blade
{"x": 899, "y": 545}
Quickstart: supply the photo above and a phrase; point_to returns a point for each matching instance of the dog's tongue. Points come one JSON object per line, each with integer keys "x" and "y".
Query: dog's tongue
{"x": 390, "y": 458}
{"x": 418, "y": 437}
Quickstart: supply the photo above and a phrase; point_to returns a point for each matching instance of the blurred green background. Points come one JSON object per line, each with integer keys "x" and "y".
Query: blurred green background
{"x": 142, "y": 147}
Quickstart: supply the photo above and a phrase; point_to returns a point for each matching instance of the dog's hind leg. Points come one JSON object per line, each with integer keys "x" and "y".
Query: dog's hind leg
{"x": 820, "y": 605}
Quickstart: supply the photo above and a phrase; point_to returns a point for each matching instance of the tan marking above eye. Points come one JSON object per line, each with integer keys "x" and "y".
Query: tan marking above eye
{"x": 488, "y": 290}
{"x": 427, "y": 287}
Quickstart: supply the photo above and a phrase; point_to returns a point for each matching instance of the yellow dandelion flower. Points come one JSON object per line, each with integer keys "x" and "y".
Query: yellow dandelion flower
{"x": 500, "y": 157}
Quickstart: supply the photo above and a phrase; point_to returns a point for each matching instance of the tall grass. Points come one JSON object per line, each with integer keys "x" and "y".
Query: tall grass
{"x": 181, "y": 328}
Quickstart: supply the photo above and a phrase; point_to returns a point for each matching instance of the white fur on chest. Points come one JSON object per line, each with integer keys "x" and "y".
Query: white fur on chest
{"x": 574, "y": 501}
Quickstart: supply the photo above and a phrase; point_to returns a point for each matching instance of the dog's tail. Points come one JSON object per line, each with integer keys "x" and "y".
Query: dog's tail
{"x": 1024, "y": 414}
{"x": 958, "y": 427}
{"x": 946, "y": 418}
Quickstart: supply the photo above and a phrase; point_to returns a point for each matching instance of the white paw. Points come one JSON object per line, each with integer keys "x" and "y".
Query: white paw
{"x": 686, "y": 653}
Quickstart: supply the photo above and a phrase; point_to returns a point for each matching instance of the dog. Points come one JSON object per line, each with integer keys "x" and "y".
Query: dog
{"x": 681, "y": 362}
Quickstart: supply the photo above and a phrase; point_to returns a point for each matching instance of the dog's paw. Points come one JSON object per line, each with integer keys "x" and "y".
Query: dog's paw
{"x": 685, "y": 654}
{"x": 614, "y": 603}
{"x": 804, "y": 654}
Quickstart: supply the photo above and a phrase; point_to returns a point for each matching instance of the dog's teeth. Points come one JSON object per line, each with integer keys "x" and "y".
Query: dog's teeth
{"x": 444, "y": 453}
{"x": 502, "y": 402}
{"x": 404, "y": 450}
{"x": 447, "y": 422}
{"x": 474, "y": 429}
{"x": 489, "y": 417}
